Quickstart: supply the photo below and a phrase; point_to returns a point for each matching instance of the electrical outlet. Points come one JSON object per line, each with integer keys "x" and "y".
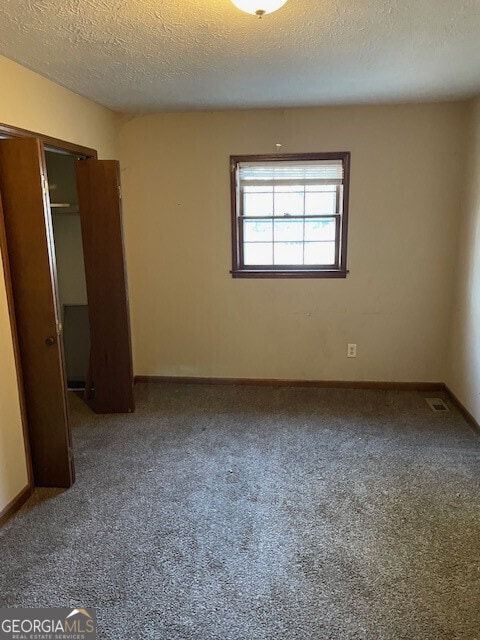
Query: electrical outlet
{"x": 351, "y": 351}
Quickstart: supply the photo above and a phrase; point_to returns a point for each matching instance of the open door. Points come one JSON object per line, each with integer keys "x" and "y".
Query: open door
{"x": 111, "y": 372}
{"x": 31, "y": 255}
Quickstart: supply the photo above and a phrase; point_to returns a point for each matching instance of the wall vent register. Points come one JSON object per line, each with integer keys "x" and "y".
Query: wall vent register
{"x": 437, "y": 405}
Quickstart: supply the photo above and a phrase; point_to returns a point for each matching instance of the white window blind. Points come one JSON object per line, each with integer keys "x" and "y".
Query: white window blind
{"x": 311, "y": 172}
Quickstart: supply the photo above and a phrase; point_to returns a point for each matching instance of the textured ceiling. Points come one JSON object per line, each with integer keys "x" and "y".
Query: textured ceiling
{"x": 152, "y": 55}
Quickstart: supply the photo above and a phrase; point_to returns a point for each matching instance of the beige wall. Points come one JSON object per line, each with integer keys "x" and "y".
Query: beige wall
{"x": 37, "y": 104}
{"x": 190, "y": 317}
{"x": 33, "y": 103}
{"x": 13, "y": 468}
{"x": 464, "y": 362}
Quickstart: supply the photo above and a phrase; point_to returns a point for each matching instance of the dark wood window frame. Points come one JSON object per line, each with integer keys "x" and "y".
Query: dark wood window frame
{"x": 240, "y": 270}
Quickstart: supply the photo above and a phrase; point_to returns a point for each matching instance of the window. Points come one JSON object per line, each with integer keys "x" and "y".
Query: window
{"x": 289, "y": 215}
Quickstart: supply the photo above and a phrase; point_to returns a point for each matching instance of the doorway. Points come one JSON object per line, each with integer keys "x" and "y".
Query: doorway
{"x": 70, "y": 264}
{"x": 42, "y": 306}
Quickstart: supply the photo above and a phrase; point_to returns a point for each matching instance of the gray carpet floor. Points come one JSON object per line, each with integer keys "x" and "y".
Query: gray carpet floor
{"x": 248, "y": 513}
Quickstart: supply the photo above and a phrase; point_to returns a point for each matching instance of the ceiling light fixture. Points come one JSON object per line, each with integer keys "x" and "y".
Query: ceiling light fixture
{"x": 259, "y": 7}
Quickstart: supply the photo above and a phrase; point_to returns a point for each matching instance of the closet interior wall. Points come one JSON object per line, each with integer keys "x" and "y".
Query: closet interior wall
{"x": 72, "y": 290}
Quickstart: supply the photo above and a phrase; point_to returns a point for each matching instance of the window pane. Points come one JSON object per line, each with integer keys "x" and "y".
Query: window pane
{"x": 322, "y": 229}
{"x": 320, "y": 187}
{"x": 322, "y": 203}
{"x": 289, "y": 203}
{"x": 257, "y": 231}
{"x": 258, "y": 253}
{"x": 320, "y": 253}
{"x": 289, "y": 230}
{"x": 262, "y": 188}
{"x": 289, "y": 188}
{"x": 288, "y": 253}
{"x": 258, "y": 204}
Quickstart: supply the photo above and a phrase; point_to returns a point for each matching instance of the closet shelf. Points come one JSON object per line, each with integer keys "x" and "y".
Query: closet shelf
{"x": 64, "y": 207}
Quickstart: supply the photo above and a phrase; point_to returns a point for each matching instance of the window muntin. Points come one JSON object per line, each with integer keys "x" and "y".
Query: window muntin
{"x": 289, "y": 215}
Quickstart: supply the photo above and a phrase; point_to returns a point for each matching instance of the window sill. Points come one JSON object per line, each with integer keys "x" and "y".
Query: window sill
{"x": 265, "y": 273}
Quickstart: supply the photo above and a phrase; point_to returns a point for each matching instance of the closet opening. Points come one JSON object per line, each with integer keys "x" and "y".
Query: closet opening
{"x": 70, "y": 266}
{"x": 61, "y": 239}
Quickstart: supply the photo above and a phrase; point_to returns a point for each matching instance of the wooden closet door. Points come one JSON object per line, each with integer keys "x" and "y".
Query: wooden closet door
{"x": 98, "y": 186}
{"x": 31, "y": 254}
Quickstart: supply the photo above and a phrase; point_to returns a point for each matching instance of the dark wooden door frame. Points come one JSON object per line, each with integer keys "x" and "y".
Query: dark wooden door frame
{"x": 124, "y": 402}
{"x": 110, "y": 370}
{"x": 51, "y": 144}
{"x": 31, "y": 256}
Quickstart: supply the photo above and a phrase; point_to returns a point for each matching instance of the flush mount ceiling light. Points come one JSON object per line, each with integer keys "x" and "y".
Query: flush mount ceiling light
{"x": 259, "y": 7}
